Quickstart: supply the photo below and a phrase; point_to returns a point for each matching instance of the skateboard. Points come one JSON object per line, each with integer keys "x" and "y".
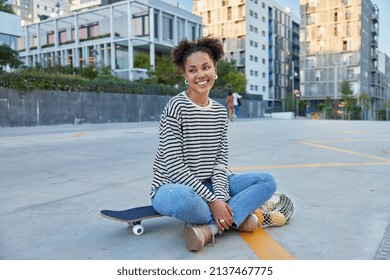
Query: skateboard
{"x": 132, "y": 216}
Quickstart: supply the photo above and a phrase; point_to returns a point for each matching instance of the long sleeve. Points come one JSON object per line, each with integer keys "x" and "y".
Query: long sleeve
{"x": 193, "y": 141}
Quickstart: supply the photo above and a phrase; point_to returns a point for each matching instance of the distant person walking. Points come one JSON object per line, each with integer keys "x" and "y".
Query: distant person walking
{"x": 230, "y": 105}
{"x": 237, "y": 104}
{"x": 308, "y": 112}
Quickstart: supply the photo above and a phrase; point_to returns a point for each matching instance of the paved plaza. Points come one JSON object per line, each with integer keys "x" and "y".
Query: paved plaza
{"x": 56, "y": 179}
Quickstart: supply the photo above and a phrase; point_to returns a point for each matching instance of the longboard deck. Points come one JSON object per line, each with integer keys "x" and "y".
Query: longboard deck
{"x": 131, "y": 215}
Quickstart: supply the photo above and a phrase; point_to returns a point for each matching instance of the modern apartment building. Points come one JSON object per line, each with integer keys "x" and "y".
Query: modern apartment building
{"x": 110, "y": 35}
{"x": 384, "y": 83}
{"x": 263, "y": 39}
{"x": 339, "y": 41}
{"x": 35, "y": 10}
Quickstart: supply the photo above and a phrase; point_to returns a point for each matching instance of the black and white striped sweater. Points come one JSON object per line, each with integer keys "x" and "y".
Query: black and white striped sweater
{"x": 193, "y": 147}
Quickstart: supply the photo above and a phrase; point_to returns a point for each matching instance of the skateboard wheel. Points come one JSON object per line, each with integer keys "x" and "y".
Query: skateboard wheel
{"x": 138, "y": 229}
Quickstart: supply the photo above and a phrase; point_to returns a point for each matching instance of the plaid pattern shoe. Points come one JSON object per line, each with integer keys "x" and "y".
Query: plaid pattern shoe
{"x": 196, "y": 236}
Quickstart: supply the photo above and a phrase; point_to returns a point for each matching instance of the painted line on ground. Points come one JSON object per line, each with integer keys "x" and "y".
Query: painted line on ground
{"x": 79, "y": 134}
{"x": 264, "y": 246}
{"x": 307, "y": 165}
{"x": 262, "y": 243}
{"x": 344, "y": 151}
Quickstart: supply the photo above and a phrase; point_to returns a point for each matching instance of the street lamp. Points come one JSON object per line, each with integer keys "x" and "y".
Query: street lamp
{"x": 295, "y": 93}
{"x": 335, "y": 92}
{"x": 387, "y": 104}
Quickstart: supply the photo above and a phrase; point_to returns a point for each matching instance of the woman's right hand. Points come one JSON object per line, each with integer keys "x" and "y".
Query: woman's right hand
{"x": 222, "y": 213}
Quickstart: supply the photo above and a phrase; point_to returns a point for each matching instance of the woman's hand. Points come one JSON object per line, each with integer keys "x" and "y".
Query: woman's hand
{"x": 222, "y": 213}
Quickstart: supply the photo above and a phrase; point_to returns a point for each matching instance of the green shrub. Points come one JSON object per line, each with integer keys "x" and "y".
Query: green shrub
{"x": 77, "y": 80}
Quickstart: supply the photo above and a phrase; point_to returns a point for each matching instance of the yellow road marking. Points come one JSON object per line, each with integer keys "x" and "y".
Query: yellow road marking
{"x": 307, "y": 165}
{"x": 264, "y": 246}
{"x": 261, "y": 243}
{"x": 364, "y": 133}
{"x": 343, "y": 151}
{"x": 80, "y": 134}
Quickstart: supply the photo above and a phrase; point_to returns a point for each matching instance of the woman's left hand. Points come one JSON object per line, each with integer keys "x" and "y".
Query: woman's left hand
{"x": 222, "y": 213}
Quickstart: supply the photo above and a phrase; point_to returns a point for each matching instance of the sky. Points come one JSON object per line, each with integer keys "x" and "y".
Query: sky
{"x": 384, "y": 17}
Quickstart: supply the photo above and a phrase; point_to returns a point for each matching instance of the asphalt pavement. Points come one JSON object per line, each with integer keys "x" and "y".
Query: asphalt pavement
{"x": 54, "y": 180}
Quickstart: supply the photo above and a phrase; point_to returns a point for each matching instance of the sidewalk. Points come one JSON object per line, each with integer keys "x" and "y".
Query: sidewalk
{"x": 55, "y": 180}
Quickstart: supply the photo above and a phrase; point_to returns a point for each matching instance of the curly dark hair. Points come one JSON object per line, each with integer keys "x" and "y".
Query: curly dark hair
{"x": 208, "y": 44}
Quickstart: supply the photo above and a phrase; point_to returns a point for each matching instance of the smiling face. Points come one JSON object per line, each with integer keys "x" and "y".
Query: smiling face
{"x": 200, "y": 71}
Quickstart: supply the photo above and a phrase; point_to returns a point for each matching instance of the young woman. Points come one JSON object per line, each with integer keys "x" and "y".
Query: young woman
{"x": 230, "y": 105}
{"x": 191, "y": 180}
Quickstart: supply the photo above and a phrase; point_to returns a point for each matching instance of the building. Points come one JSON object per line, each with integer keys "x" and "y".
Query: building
{"x": 10, "y": 29}
{"x": 263, "y": 39}
{"x": 384, "y": 85}
{"x": 109, "y": 35}
{"x": 35, "y": 10}
{"x": 339, "y": 41}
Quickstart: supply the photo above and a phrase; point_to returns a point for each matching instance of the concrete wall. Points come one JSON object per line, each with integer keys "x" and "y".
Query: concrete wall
{"x": 54, "y": 107}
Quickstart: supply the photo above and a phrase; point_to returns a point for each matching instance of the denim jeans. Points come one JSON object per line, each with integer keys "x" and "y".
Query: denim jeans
{"x": 248, "y": 191}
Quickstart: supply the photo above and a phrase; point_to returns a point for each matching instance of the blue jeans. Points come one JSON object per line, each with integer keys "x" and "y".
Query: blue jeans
{"x": 248, "y": 191}
{"x": 237, "y": 110}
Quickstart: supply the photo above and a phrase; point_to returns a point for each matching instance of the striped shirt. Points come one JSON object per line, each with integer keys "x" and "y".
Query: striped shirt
{"x": 193, "y": 147}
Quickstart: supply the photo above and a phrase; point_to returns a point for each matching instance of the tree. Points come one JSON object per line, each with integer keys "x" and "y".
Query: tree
{"x": 348, "y": 98}
{"x": 8, "y": 57}
{"x": 223, "y": 68}
{"x": 236, "y": 80}
{"x": 364, "y": 100}
{"x": 165, "y": 72}
{"x": 142, "y": 60}
{"x": 6, "y": 7}
{"x": 326, "y": 108}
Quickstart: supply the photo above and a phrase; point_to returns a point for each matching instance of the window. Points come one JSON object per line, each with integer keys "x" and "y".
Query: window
{"x": 348, "y": 29}
{"x": 167, "y": 27}
{"x": 348, "y": 15}
{"x": 50, "y": 37}
{"x": 350, "y": 74}
{"x": 180, "y": 28}
{"x": 62, "y": 36}
{"x": 141, "y": 24}
{"x": 345, "y": 45}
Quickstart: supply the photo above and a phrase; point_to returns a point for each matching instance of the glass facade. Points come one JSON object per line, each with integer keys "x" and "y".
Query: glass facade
{"x": 108, "y": 36}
